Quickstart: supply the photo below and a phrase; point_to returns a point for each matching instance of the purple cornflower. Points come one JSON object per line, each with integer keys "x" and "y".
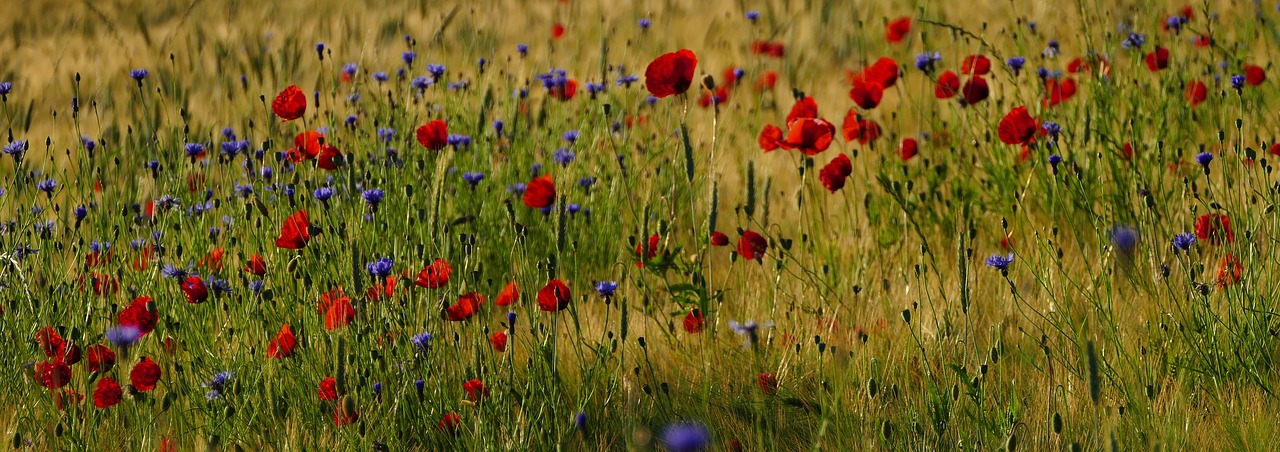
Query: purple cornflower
{"x": 123, "y": 336}
{"x": 626, "y": 80}
{"x": 436, "y": 71}
{"x": 516, "y": 188}
{"x": 408, "y": 57}
{"x": 586, "y": 182}
{"x": 350, "y": 70}
{"x": 385, "y": 134}
{"x": 381, "y": 77}
{"x": 138, "y": 74}
{"x": 563, "y": 156}
{"x": 420, "y": 82}
{"x": 47, "y": 185}
{"x": 1204, "y": 159}
{"x": 373, "y": 197}
{"x": 1134, "y": 41}
{"x": 644, "y": 23}
{"x": 1000, "y": 262}
{"x": 570, "y": 136}
{"x": 16, "y": 148}
{"x": 926, "y": 61}
{"x": 459, "y": 141}
{"x": 753, "y": 15}
{"x": 1124, "y": 238}
{"x": 686, "y": 437}
{"x": 422, "y": 341}
{"x": 1016, "y": 63}
{"x": 380, "y": 268}
{"x": 522, "y": 49}
{"x": 1237, "y": 82}
{"x": 472, "y": 178}
{"x": 606, "y": 289}
{"x": 194, "y": 150}
{"x": 320, "y": 50}
{"x": 1184, "y": 241}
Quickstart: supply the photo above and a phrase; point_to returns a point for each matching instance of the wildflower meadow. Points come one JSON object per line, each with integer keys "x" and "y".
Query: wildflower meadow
{"x": 650, "y": 225}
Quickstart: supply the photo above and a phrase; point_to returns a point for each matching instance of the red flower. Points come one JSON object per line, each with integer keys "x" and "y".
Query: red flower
{"x": 720, "y": 96}
{"x": 768, "y": 383}
{"x": 137, "y": 315}
{"x": 908, "y": 149}
{"x": 557, "y": 31}
{"x": 510, "y": 294}
{"x": 565, "y": 91}
{"x": 670, "y": 73}
{"x": 328, "y": 390}
{"x": 1059, "y": 91}
{"x": 383, "y": 289}
{"x": 290, "y": 104}
{"x": 884, "y": 72}
{"x": 306, "y": 146}
{"x": 1215, "y": 229}
{"x": 53, "y": 374}
{"x": 345, "y": 413}
{"x": 434, "y": 135}
{"x": 1254, "y": 75}
{"x": 1018, "y": 127}
{"x": 475, "y": 390}
{"x": 107, "y": 393}
{"x": 1275, "y": 149}
{"x": 1157, "y": 59}
{"x": 60, "y": 398}
{"x": 855, "y": 128}
{"x": 809, "y": 135}
{"x": 337, "y": 308}
{"x": 948, "y": 85}
{"x": 835, "y": 172}
{"x": 867, "y": 94}
{"x": 296, "y": 231}
{"x": 975, "y": 65}
{"x": 1203, "y": 41}
{"x": 330, "y": 158}
{"x": 770, "y": 137}
{"x": 1229, "y": 271}
{"x": 499, "y": 341}
{"x": 896, "y": 30}
{"x": 651, "y": 251}
{"x": 540, "y": 193}
{"x": 51, "y": 343}
{"x": 694, "y": 322}
{"x": 450, "y": 422}
{"x": 975, "y": 90}
{"x": 145, "y": 374}
{"x": 767, "y": 81}
{"x": 213, "y": 261}
{"x": 464, "y": 308}
{"x": 773, "y": 49}
{"x": 257, "y": 266}
{"x": 805, "y": 108}
{"x": 1196, "y": 92}
{"x": 554, "y": 296}
{"x": 99, "y": 358}
{"x": 752, "y": 245}
{"x": 435, "y": 275}
{"x": 719, "y": 239}
{"x": 283, "y": 344}
{"x": 1127, "y": 152}
{"x": 195, "y": 290}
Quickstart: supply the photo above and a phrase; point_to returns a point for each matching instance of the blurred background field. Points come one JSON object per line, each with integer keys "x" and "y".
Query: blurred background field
{"x": 880, "y": 326}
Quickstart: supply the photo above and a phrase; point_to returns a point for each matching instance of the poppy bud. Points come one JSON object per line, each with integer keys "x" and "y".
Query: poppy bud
{"x": 709, "y": 82}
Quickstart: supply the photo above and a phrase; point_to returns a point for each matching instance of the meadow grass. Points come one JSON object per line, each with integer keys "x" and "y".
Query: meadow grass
{"x": 875, "y": 311}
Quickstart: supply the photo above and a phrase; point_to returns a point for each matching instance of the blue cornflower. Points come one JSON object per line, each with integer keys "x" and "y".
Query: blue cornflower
{"x": 16, "y": 148}
{"x": 244, "y": 190}
{"x": 535, "y": 169}
{"x": 436, "y": 71}
{"x": 747, "y": 330}
{"x": 123, "y": 336}
{"x": 1176, "y": 22}
{"x": 36, "y": 209}
{"x": 47, "y": 185}
{"x": 408, "y": 57}
{"x": 563, "y": 156}
{"x": 1052, "y": 128}
{"x": 644, "y": 23}
{"x": 686, "y": 437}
{"x": 472, "y": 178}
{"x": 420, "y": 82}
{"x": 738, "y": 73}
{"x": 516, "y": 188}
{"x": 373, "y": 197}
{"x": 194, "y": 150}
{"x": 1124, "y": 238}
{"x": 573, "y": 208}
{"x": 88, "y": 143}
{"x": 651, "y": 100}
{"x": 422, "y": 341}
{"x": 1237, "y": 82}
{"x": 1016, "y": 64}
{"x": 580, "y": 421}
{"x": 353, "y": 98}
{"x": 459, "y": 141}
{"x": 1204, "y": 158}
{"x": 626, "y": 80}
{"x": 138, "y": 74}
{"x": 350, "y": 69}
{"x": 511, "y": 320}
{"x": 498, "y": 126}
{"x": 381, "y": 77}
{"x": 480, "y": 63}
{"x": 1052, "y": 51}
{"x": 99, "y": 247}
{"x": 523, "y": 49}
{"x": 323, "y": 194}
{"x": 219, "y": 286}
{"x": 266, "y": 172}
{"x": 1134, "y": 41}
{"x": 228, "y": 133}
{"x": 381, "y": 268}
{"x": 571, "y": 136}
{"x": 1054, "y": 160}
{"x": 753, "y": 15}
{"x": 256, "y": 286}
{"x": 1042, "y": 73}
{"x": 1184, "y": 241}
{"x": 168, "y": 202}
{"x": 320, "y": 50}
{"x": 595, "y": 88}
{"x": 386, "y": 134}
{"x": 606, "y": 289}
{"x": 926, "y": 61}
{"x": 81, "y": 212}
{"x": 5, "y": 88}
{"x": 1000, "y": 262}
{"x": 586, "y": 182}
{"x": 351, "y": 120}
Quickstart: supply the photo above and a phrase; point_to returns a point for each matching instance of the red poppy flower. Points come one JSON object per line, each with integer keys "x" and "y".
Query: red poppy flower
{"x": 719, "y": 239}
{"x": 435, "y": 275}
{"x": 752, "y": 245}
{"x": 65, "y": 396}
{"x": 767, "y": 81}
{"x": 1197, "y": 92}
{"x": 296, "y": 231}
{"x": 719, "y": 96}
{"x": 730, "y": 77}
{"x": 1077, "y": 65}
{"x": 450, "y": 423}
{"x": 867, "y": 94}
{"x": 498, "y": 341}
{"x": 51, "y": 343}
{"x": 540, "y": 193}
{"x": 434, "y": 135}
{"x": 835, "y": 172}
{"x": 96, "y": 259}
{"x": 554, "y": 296}
{"x": 948, "y": 85}
{"x": 338, "y": 311}
{"x": 1229, "y": 271}
{"x": 770, "y": 137}
{"x": 306, "y": 146}
{"x": 557, "y": 31}
{"x": 773, "y": 49}
{"x": 768, "y": 383}
{"x": 99, "y": 358}
{"x": 896, "y": 30}
{"x": 1017, "y": 127}
{"x": 975, "y": 65}
{"x": 1059, "y": 91}
{"x": 1203, "y": 41}
{"x": 345, "y": 413}
{"x": 137, "y": 315}
{"x": 1275, "y": 149}
{"x": 145, "y": 374}
{"x": 565, "y": 91}
{"x": 670, "y": 73}
{"x": 1157, "y": 59}
{"x": 510, "y": 294}
{"x": 809, "y": 135}
{"x": 1215, "y": 229}
{"x": 1254, "y": 75}
{"x": 475, "y": 390}
{"x": 257, "y": 266}
{"x": 693, "y": 322}
{"x": 908, "y": 149}
{"x": 143, "y": 260}
{"x": 805, "y": 108}
{"x": 328, "y": 390}
{"x": 100, "y": 283}
{"x": 290, "y": 104}
{"x": 330, "y": 158}
{"x": 652, "y": 251}
{"x": 1127, "y": 152}
{"x": 283, "y": 344}
{"x": 107, "y": 393}
{"x": 1187, "y": 12}
{"x": 466, "y": 307}
{"x": 195, "y": 290}
{"x": 975, "y": 90}
{"x": 883, "y": 72}
{"x": 213, "y": 261}
{"x": 53, "y": 374}
{"x": 855, "y": 127}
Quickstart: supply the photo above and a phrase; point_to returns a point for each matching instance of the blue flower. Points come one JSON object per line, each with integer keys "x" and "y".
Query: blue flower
{"x": 436, "y": 71}
{"x": 516, "y": 188}
{"x": 1184, "y": 241}
{"x": 1176, "y": 22}
{"x": 580, "y": 421}
{"x": 686, "y": 437}
{"x": 381, "y": 77}
{"x": 753, "y": 15}
{"x": 1204, "y": 158}
{"x": 563, "y": 156}
{"x": 408, "y": 57}
{"x": 350, "y": 69}
{"x": 586, "y": 182}
{"x": 320, "y": 50}
{"x": 47, "y": 185}
{"x": 323, "y": 194}
{"x": 256, "y": 286}
{"x": 1237, "y": 82}
{"x": 748, "y": 331}
{"x": 1016, "y": 63}
{"x": 1134, "y": 41}
{"x": 1052, "y": 128}
{"x": 606, "y": 289}
{"x": 570, "y": 136}
{"x": 420, "y": 82}
{"x": 123, "y": 336}
{"x": 644, "y": 23}
{"x": 498, "y": 126}
{"x": 627, "y": 80}
{"x": 573, "y": 208}
{"x": 99, "y": 247}
{"x": 81, "y": 212}
{"x": 5, "y": 88}
{"x": 511, "y": 319}
{"x": 244, "y": 191}
{"x": 594, "y": 88}
{"x": 138, "y": 74}
{"x": 458, "y": 141}
{"x": 373, "y": 196}
{"x": 523, "y": 49}
{"x": 1000, "y": 262}
{"x": 194, "y": 149}
{"x": 386, "y": 134}
{"x": 472, "y": 178}
{"x": 1054, "y": 160}
{"x": 422, "y": 341}
{"x": 16, "y": 148}
{"x": 380, "y": 268}
{"x": 1124, "y": 238}
{"x": 927, "y": 60}
{"x": 1052, "y": 50}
